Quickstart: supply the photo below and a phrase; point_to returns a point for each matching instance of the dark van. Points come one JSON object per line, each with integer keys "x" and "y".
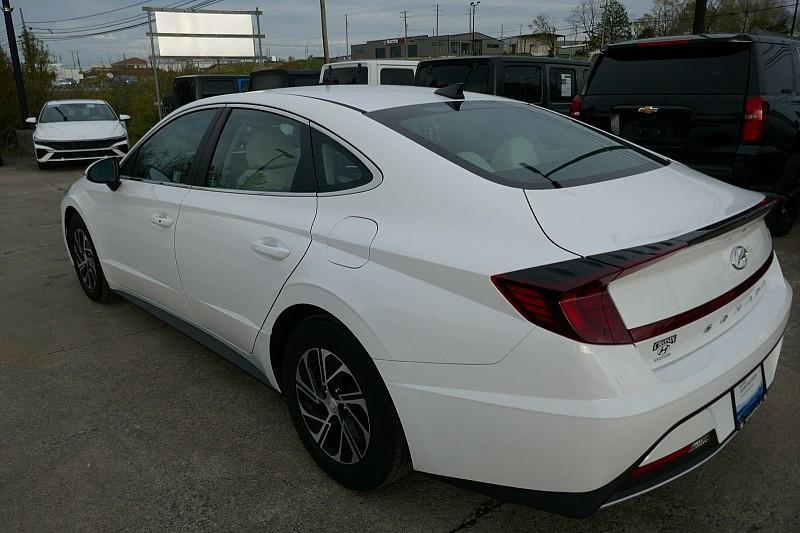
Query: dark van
{"x": 187, "y": 89}
{"x": 546, "y": 81}
{"x": 279, "y": 78}
{"x": 724, "y": 104}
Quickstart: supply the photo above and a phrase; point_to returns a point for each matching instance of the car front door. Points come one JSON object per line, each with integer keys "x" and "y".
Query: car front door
{"x": 247, "y": 224}
{"x": 139, "y": 218}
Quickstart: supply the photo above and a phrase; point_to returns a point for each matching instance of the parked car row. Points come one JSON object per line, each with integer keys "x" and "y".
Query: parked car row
{"x": 459, "y": 283}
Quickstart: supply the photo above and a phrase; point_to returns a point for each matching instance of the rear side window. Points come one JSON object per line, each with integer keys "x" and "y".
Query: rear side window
{"x": 563, "y": 85}
{"x": 337, "y": 168}
{"x": 397, "y": 76}
{"x": 346, "y": 75}
{"x": 268, "y": 80}
{"x": 672, "y": 69}
{"x": 474, "y": 75}
{"x": 777, "y": 67}
{"x": 216, "y": 87}
{"x": 517, "y": 144}
{"x": 523, "y": 82}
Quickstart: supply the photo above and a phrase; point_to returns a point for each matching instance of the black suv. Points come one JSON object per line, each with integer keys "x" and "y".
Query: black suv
{"x": 727, "y": 105}
{"x": 187, "y": 89}
{"x": 546, "y": 81}
{"x": 278, "y": 78}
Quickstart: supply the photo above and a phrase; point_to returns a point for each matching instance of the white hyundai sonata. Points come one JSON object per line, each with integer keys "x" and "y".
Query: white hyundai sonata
{"x": 470, "y": 286}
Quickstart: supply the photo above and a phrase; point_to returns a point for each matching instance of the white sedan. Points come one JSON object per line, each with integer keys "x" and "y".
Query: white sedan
{"x": 470, "y": 286}
{"x": 78, "y": 130}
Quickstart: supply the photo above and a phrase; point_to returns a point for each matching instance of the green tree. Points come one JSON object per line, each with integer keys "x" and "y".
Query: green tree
{"x": 616, "y": 25}
{"x": 9, "y": 114}
{"x": 36, "y": 72}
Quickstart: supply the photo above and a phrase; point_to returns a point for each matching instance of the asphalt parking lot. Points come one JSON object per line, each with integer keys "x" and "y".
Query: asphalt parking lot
{"x": 112, "y": 420}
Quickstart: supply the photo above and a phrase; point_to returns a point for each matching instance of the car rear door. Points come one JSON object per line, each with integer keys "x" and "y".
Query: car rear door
{"x": 247, "y": 224}
{"x": 683, "y": 100}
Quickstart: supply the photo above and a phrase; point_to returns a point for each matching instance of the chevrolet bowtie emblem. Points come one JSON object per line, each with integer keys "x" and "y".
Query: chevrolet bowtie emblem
{"x": 648, "y": 110}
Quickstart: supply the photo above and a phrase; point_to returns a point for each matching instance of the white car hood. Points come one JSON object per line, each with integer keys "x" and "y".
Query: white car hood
{"x": 636, "y": 210}
{"x": 79, "y": 130}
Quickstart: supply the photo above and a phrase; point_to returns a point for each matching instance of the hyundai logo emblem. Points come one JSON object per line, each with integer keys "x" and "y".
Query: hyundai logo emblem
{"x": 739, "y": 257}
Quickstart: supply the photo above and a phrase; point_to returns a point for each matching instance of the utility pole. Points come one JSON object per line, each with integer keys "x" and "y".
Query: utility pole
{"x": 473, "y": 6}
{"x": 746, "y": 13}
{"x": 78, "y": 55}
{"x": 346, "y": 37}
{"x": 324, "y": 31}
{"x": 794, "y": 17}
{"x": 437, "y": 18}
{"x": 604, "y": 19}
{"x": 405, "y": 26}
{"x": 12, "y": 49}
{"x": 699, "y": 25}
{"x": 152, "y": 60}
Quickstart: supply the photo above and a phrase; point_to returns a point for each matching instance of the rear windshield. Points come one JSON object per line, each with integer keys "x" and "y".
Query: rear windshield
{"x": 473, "y": 74}
{"x": 675, "y": 69}
{"x": 517, "y": 144}
{"x": 345, "y": 75}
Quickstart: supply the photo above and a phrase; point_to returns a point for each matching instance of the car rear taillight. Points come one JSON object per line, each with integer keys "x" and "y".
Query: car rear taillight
{"x": 569, "y": 298}
{"x": 575, "y": 107}
{"x": 756, "y": 111}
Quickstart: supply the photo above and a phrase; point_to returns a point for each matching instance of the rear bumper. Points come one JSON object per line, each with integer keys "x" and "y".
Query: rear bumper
{"x": 560, "y": 425}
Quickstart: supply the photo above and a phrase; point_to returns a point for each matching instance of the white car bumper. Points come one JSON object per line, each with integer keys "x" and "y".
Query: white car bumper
{"x": 56, "y": 151}
{"x": 563, "y": 426}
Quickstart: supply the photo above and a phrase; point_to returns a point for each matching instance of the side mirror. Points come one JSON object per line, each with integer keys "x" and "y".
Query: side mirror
{"x": 104, "y": 171}
{"x": 30, "y": 120}
{"x": 124, "y": 118}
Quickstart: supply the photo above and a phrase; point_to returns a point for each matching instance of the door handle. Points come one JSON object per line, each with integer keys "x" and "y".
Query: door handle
{"x": 272, "y": 248}
{"x": 161, "y": 219}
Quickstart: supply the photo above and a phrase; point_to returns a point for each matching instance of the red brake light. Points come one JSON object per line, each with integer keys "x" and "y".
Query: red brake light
{"x": 575, "y": 107}
{"x": 663, "y": 43}
{"x": 570, "y": 299}
{"x": 754, "y": 122}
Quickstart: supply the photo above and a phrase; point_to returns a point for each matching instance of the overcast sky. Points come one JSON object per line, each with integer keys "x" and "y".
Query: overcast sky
{"x": 291, "y": 25}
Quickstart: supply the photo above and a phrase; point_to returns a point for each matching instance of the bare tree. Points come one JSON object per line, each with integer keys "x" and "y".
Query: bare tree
{"x": 587, "y": 16}
{"x": 546, "y": 25}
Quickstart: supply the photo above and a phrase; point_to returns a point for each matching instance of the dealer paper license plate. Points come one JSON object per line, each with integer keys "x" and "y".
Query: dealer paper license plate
{"x": 747, "y": 395}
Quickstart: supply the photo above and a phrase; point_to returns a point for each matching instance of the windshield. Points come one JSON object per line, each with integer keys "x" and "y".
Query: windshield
{"x": 677, "y": 69}
{"x": 517, "y": 144}
{"x": 77, "y": 112}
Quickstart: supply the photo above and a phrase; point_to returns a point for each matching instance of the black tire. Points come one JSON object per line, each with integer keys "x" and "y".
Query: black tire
{"x": 784, "y": 215}
{"x": 366, "y": 459}
{"x": 87, "y": 264}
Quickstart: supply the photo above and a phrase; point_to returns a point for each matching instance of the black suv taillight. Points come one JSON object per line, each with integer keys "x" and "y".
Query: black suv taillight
{"x": 754, "y": 122}
{"x": 575, "y": 107}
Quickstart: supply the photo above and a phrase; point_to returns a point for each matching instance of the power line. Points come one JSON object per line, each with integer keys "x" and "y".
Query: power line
{"x": 89, "y": 16}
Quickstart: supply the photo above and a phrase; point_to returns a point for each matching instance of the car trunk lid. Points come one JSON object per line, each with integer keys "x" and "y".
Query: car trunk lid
{"x": 677, "y": 237}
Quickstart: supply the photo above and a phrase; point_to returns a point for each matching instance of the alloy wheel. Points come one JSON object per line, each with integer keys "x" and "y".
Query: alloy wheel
{"x": 84, "y": 259}
{"x": 332, "y": 405}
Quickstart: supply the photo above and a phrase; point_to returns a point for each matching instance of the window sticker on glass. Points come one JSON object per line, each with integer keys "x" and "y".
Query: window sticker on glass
{"x": 566, "y": 85}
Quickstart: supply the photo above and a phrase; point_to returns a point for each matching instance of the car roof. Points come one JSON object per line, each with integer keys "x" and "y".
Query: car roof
{"x": 364, "y": 98}
{"x": 507, "y": 58}
{"x": 225, "y": 76}
{"x": 76, "y": 101}
{"x": 354, "y": 62}
{"x": 754, "y": 36}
